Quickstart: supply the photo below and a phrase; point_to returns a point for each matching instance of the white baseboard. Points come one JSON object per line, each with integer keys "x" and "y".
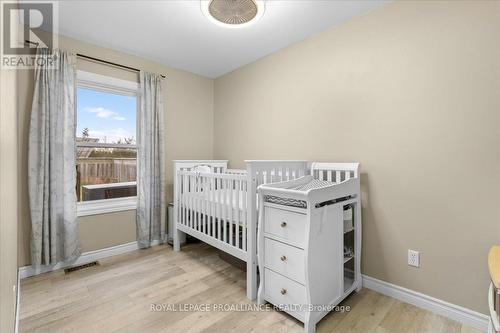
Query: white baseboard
{"x": 463, "y": 315}
{"x": 84, "y": 258}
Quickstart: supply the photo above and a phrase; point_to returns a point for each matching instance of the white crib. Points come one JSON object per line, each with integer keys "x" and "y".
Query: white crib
{"x": 214, "y": 207}
{"x": 220, "y": 207}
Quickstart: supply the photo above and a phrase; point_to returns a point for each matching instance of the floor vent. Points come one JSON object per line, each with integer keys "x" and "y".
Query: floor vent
{"x": 77, "y": 268}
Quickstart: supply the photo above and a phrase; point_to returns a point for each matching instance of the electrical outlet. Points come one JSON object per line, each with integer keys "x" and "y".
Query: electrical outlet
{"x": 413, "y": 258}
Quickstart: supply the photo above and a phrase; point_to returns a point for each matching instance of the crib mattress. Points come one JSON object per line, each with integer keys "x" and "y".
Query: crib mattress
{"x": 209, "y": 203}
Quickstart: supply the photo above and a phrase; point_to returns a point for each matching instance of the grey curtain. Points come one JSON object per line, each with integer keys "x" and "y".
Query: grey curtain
{"x": 151, "y": 206}
{"x": 51, "y": 160}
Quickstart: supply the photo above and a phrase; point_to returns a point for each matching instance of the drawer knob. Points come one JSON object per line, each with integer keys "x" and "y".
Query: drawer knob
{"x": 283, "y": 291}
{"x": 283, "y": 224}
{"x": 283, "y": 258}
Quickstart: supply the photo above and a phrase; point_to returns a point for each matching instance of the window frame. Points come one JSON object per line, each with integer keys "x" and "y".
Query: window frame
{"x": 112, "y": 85}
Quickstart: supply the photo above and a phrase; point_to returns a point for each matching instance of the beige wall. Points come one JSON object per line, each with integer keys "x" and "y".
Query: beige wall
{"x": 97, "y": 232}
{"x": 188, "y": 127}
{"x": 8, "y": 198}
{"x": 412, "y": 92}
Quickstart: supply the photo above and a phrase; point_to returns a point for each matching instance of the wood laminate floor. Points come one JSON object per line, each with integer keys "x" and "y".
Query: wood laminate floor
{"x": 117, "y": 295}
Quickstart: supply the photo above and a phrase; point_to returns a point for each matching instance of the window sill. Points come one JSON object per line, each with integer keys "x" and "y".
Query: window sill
{"x": 96, "y": 207}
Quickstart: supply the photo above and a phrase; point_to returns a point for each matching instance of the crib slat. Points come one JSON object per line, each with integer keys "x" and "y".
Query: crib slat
{"x": 192, "y": 199}
{"x": 229, "y": 210}
{"x": 219, "y": 199}
{"x": 178, "y": 204}
{"x": 179, "y": 200}
{"x": 216, "y": 209}
{"x": 238, "y": 211}
{"x": 212, "y": 208}
{"x": 244, "y": 217}
{"x": 200, "y": 201}
{"x": 231, "y": 220}
{"x": 227, "y": 203}
{"x": 205, "y": 203}
{"x": 338, "y": 176}
{"x": 187, "y": 201}
{"x": 224, "y": 210}
{"x": 221, "y": 208}
{"x": 189, "y": 198}
{"x": 202, "y": 205}
{"x": 191, "y": 218}
{"x": 329, "y": 175}
{"x": 347, "y": 175}
{"x": 196, "y": 201}
{"x": 188, "y": 189}
{"x": 184, "y": 203}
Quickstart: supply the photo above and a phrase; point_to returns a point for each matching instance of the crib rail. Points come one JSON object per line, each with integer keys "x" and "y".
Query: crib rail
{"x": 334, "y": 172}
{"x": 264, "y": 172}
{"x": 236, "y": 171}
{"x": 217, "y": 166}
{"x": 213, "y": 208}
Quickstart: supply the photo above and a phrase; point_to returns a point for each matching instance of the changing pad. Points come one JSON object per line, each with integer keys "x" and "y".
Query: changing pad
{"x": 313, "y": 184}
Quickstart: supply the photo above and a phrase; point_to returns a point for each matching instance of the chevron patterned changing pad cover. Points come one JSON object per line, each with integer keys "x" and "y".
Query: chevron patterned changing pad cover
{"x": 313, "y": 184}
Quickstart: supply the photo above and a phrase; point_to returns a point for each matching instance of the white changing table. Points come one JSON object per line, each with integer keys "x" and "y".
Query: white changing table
{"x": 303, "y": 227}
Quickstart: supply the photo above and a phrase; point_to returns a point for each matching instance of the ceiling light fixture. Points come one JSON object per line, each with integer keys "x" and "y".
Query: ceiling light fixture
{"x": 233, "y": 13}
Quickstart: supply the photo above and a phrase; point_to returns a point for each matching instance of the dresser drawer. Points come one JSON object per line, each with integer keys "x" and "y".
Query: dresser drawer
{"x": 286, "y": 225}
{"x": 285, "y": 259}
{"x": 285, "y": 292}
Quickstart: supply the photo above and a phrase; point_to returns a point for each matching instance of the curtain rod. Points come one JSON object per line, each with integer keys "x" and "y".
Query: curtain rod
{"x": 100, "y": 60}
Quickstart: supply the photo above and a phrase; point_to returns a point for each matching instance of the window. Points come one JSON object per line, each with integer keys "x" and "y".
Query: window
{"x": 106, "y": 150}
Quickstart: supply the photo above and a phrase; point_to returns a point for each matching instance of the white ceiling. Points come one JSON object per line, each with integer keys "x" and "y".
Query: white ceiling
{"x": 177, "y": 34}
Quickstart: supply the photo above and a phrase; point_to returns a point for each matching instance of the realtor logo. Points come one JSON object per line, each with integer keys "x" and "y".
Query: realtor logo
{"x": 25, "y": 26}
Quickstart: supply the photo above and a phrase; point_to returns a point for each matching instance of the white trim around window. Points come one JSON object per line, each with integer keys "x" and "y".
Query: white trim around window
{"x": 106, "y": 145}
{"x": 118, "y": 86}
{"x": 96, "y": 81}
{"x": 95, "y": 207}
